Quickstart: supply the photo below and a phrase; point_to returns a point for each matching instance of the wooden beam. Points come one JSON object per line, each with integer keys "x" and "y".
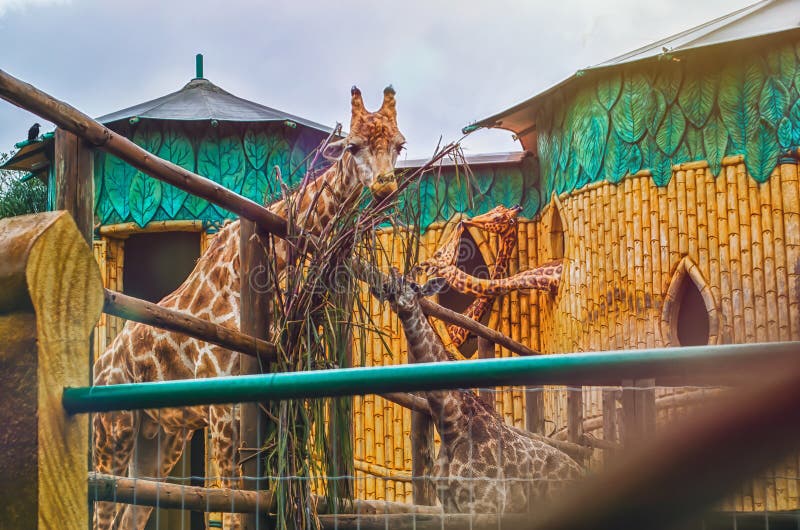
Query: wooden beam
{"x": 176, "y": 496}
{"x": 534, "y": 409}
{"x": 256, "y": 292}
{"x": 50, "y": 299}
{"x": 131, "y": 308}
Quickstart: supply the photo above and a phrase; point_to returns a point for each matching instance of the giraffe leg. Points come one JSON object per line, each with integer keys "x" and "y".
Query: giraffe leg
{"x": 113, "y": 446}
{"x": 153, "y": 459}
{"x": 223, "y": 424}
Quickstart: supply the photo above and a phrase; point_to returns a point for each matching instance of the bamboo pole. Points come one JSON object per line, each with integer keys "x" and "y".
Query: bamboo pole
{"x": 122, "y": 230}
{"x": 131, "y": 308}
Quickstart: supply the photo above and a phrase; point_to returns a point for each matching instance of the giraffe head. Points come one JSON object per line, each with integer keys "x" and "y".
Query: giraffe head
{"x": 497, "y": 220}
{"x": 370, "y": 150}
{"x": 403, "y": 293}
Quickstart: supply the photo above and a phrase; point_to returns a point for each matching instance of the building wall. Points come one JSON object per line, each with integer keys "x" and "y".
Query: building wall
{"x": 623, "y": 245}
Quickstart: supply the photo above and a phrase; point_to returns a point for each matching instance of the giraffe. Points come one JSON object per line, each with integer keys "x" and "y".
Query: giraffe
{"x": 140, "y": 353}
{"x": 483, "y": 465}
{"x": 503, "y": 222}
{"x": 545, "y": 277}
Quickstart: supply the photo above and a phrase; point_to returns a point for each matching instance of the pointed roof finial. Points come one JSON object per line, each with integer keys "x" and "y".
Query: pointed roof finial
{"x": 198, "y": 66}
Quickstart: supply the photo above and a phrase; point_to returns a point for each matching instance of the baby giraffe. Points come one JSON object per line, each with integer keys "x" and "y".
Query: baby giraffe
{"x": 483, "y": 465}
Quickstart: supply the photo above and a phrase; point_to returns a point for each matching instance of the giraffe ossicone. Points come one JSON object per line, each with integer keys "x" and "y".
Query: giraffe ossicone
{"x": 149, "y": 443}
{"x": 483, "y": 465}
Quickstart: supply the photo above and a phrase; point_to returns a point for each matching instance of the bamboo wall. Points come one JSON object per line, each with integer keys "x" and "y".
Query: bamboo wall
{"x": 623, "y": 244}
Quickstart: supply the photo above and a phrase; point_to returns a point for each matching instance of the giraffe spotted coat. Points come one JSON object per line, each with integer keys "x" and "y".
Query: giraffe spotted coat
{"x": 483, "y": 465}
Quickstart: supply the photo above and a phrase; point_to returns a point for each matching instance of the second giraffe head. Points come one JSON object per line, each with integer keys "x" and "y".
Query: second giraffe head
{"x": 403, "y": 294}
{"x": 370, "y": 149}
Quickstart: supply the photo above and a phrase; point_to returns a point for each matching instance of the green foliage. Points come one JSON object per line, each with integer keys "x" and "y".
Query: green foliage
{"x": 761, "y": 155}
{"x": 627, "y": 117}
{"x": 144, "y": 198}
{"x": 18, "y": 197}
{"x": 177, "y": 149}
{"x": 670, "y": 133}
{"x": 697, "y": 97}
{"x": 715, "y": 141}
{"x": 774, "y": 101}
{"x": 608, "y": 90}
{"x": 739, "y": 95}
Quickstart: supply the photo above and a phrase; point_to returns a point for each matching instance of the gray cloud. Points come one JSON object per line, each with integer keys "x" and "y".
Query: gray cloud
{"x": 451, "y": 62}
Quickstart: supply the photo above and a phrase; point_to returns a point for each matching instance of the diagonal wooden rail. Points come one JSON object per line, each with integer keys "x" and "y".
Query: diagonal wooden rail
{"x": 131, "y": 308}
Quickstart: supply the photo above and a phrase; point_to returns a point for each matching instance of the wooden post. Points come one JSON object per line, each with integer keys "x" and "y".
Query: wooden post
{"x": 575, "y": 415}
{"x": 534, "y": 409}
{"x": 486, "y": 351}
{"x": 255, "y": 288}
{"x": 610, "y": 427}
{"x": 51, "y": 295}
{"x": 638, "y": 410}
{"x": 422, "y": 455}
{"x": 74, "y": 172}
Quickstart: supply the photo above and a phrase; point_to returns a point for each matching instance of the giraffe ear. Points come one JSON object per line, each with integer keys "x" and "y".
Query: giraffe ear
{"x": 433, "y": 286}
{"x": 334, "y": 150}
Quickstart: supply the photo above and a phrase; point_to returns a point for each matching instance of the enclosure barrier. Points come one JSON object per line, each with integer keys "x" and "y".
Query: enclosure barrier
{"x": 702, "y": 365}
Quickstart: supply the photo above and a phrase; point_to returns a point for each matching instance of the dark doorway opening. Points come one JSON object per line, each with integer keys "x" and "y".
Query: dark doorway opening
{"x": 693, "y": 325}
{"x": 155, "y": 265}
{"x": 557, "y": 235}
{"x": 469, "y": 260}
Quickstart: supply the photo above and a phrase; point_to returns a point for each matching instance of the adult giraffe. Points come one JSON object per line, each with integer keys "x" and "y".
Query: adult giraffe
{"x": 141, "y": 353}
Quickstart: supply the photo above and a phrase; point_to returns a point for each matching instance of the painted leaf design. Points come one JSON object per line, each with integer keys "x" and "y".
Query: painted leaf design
{"x": 715, "y": 141}
{"x": 255, "y": 186}
{"x": 429, "y": 202}
{"x": 507, "y": 189}
{"x": 782, "y": 63}
{"x": 148, "y": 137}
{"x": 608, "y": 89}
{"x": 298, "y": 162}
{"x": 661, "y": 168}
{"x": 564, "y": 151}
{"x": 635, "y": 159}
{"x": 222, "y": 160}
{"x": 457, "y": 196}
{"x": 785, "y": 133}
{"x": 555, "y": 149}
{"x": 680, "y": 156}
{"x": 256, "y": 148}
{"x": 670, "y": 133}
{"x": 627, "y": 116}
{"x": 118, "y": 177}
{"x": 144, "y": 198}
{"x": 697, "y": 97}
{"x": 739, "y": 94}
{"x": 482, "y": 180}
{"x": 616, "y": 160}
{"x": 655, "y": 109}
{"x": 590, "y": 140}
{"x": 279, "y": 156}
{"x": 668, "y": 81}
{"x": 794, "y": 117}
{"x": 581, "y": 180}
{"x": 177, "y": 148}
{"x": 530, "y": 203}
{"x": 544, "y": 144}
{"x": 774, "y": 101}
{"x": 694, "y": 143}
{"x": 762, "y": 153}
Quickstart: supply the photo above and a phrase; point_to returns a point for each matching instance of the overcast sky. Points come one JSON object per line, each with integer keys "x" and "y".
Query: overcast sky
{"x": 451, "y": 62}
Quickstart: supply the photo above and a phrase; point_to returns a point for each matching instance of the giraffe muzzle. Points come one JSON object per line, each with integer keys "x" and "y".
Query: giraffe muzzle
{"x": 384, "y": 184}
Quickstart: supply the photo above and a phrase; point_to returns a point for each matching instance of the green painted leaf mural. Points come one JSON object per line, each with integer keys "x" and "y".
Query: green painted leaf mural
{"x": 222, "y": 160}
{"x": 782, "y": 63}
{"x": 694, "y": 143}
{"x": 762, "y": 152}
{"x": 255, "y": 186}
{"x": 670, "y": 133}
{"x": 627, "y": 117}
{"x": 794, "y": 117}
{"x": 739, "y": 94}
{"x": 144, "y": 198}
{"x": 785, "y": 133}
{"x": 178, "y": 149}
{"x": 564, "y": 150}
{"x": 256, "y": 148}
{"x": 715, "y": 141}
{"x": 661, "y": 168}
{"x": 118, "y": 176}
{"x": 697, "y": 97}
{"x": 608, "y": 89}
{"x": 279, "y": 156}
{"x": 621, "y": 158}
{"x": 530, "y": 203}
{"x": 507, "y": 189}
{"x": 148, "y": 137}
{"x": 590, "y": 140}
{"x": 482, "y": 179}
{"x": 544, "y": 144}
{"x": 430, "y": 200}
{"x": 668, "y": 81}
{"x": 774, "y": 101}
{"x": 655, "y": 109}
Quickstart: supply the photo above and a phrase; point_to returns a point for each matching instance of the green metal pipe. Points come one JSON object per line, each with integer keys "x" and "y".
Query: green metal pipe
{"x": 701, "y": 365}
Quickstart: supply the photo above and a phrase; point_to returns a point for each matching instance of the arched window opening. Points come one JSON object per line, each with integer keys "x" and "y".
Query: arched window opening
{"x": 692, "y": 324}
{"x": 556, "y": 234}
{"x": 469, "y": 260}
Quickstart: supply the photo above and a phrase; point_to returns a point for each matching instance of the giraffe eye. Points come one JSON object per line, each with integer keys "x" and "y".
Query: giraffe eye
{"x": 400, "y": 148}
{"x": 353, "y": 148}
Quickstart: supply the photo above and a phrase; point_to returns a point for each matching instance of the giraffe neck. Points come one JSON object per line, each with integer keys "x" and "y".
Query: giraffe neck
{"x": 450, "y": 408}
{"x": 212, "y": 289}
